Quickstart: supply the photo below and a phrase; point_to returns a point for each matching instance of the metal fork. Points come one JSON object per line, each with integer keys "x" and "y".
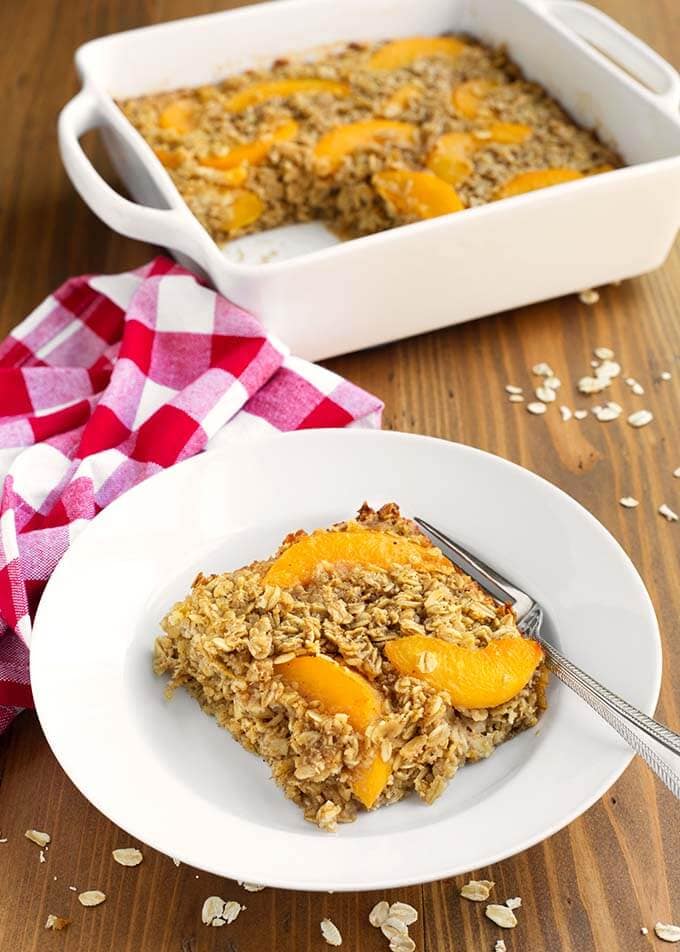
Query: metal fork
{"x": 636, "y": 728}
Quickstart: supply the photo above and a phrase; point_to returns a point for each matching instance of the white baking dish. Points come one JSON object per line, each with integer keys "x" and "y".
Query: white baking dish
{"x": 350, "y": 295}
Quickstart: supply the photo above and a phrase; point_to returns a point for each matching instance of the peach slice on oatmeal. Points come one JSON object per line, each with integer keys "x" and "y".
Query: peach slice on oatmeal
{"x": 400, "y": 100}
{"x": 468, "y": 98}
{"x": 450, "y": 156}
{"x": 339, "y": 690}
{"x": 251, "y": 153}
{"x": 369, "y": 781}
{"x": 296, "y": 564}
{"x": 282, "y": 89}
{"x": 241, "y": 209}
{"x": 417, "y": 194}
{"x": 169, "y": 159}
{"x": 505, "y": 133}
{"x": 180, "y": 116}
{"x": 401, "y": 53}
{"x": 473, "y": 677}
{"x": 535, "y": 179}
{"x": 331, "y": 148}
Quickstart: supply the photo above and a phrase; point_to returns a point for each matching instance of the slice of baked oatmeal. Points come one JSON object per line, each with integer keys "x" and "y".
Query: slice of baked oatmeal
{"x": 358, "y": 662}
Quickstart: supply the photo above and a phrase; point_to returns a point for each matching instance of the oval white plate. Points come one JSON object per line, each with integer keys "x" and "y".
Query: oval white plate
{"x": 168, "y": 775}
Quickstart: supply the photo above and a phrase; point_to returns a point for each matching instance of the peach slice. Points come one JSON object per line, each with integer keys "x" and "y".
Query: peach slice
{"x": 180, "y": 116}
{"x": 369, "y": 781}
{"x": 244, "y": 208}
{"x": 468, "y": 97}
{"x": 535, "y": 179}
{"x": 505, "y": 133}
{"x": 170, "y": 160}
{"x": 251, "y": 152}
{"x": 473, "y": 677}
{"x": 296, "y": 564}
{"x": 401, "y": 53}
{"x": 338, "y": 689}
{"x": 450, "y": 157}
{"x": 400, "y": 100}
{"x": 417, "y": 194}
{"x": 283, "y": 89}
{"x": 331, "y": 148}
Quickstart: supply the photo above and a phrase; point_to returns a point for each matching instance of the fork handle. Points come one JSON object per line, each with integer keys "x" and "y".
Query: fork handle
{"x": 636, "y": 728}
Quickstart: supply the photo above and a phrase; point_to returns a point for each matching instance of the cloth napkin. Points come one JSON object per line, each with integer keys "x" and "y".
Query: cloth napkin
{"x": 108, "y": 381}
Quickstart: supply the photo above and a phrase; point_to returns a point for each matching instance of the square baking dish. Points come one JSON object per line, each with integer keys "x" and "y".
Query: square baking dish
{"x": 323, "y": 297}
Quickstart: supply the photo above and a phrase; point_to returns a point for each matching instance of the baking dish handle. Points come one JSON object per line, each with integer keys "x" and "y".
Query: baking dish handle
{"x": 620, "y": 46}
{"x": 173, "y": 228}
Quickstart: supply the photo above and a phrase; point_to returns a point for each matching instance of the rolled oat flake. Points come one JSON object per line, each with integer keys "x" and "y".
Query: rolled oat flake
{"x": 502, "y": 916}
{"x": 330, "y": 932}
{"x": 379, "y": 913}
{"x": 667, "y": 932}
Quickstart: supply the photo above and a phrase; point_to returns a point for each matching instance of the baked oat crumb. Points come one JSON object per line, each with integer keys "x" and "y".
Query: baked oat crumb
{"x": 379, "y": 913}
{"x": 330, "y": 932}
{"x": 128, "y": 856}
{"x": 35, "y": 836}
{"x": 478, "y": 890}
{"x": 667, "y": 932}
{"x": 501, "y": 915}
{"x": 91, "y": 897}
{"x": 589, "y": 296}
{"x": 427, "y": 662}
{"x": 57, "y": 923}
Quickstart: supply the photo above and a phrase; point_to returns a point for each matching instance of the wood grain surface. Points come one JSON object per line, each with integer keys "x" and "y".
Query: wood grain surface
{"x": 591, "y": 886}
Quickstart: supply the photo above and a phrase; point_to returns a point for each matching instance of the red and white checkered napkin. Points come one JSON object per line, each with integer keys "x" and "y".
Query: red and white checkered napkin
{"x": 110, "y": 380}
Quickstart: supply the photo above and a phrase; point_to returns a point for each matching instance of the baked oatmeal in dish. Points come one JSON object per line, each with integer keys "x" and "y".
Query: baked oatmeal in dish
{"x": 358, "y": 662}
{"x": 364, "y": 137}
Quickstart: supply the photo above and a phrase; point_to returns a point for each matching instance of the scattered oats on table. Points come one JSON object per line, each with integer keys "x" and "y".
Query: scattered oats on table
{"x": 404, "y": 911}
{"x": 665, "y": 375}
{"x": 500, "y": 946}
{"x": 516, "y": 398}
{"x": 536, "y": 408}
{"x": 212, "y": 913}
{"x": 478, "y": 890}
{"x": 393, "y": 927}
{"x": 542, "y": 370}
{"x": 610, "y": 411}
{"x": 57, "y": 923}
{"x": 402, "y": 943}
{"x": 379, "y": 913}
{"x": 640, "y": 418}
{"x": 128, "y": 856}
{"x": 91, "y": 897}
{"x": 502, "y": 916}
{"x": 252, "y": 887}
{"x": 510, "y": 388}
{"x": 330, "y": 932}
{"x": 644, "y": 930}
{"x": 676, "y": 473}
{"x": 565, "y": 413}
{"x": 667, "y": 931}
{"x": 35, "y": 836}
{"x": 589, "y": 296}
{"x": 580, "y": 414}
{"x": 628, "y": 502}
{"x": 545, "y": 394}
{"x": 513, "y": 903}
{"x": 668, "y": 513}
{"x": 604, "y": 353}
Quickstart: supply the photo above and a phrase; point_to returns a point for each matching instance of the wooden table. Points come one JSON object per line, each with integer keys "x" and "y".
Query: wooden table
{"x": 590, "y": 887}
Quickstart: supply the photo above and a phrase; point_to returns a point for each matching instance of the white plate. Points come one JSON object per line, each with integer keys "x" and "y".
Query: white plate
{"x": 168, "y": 775}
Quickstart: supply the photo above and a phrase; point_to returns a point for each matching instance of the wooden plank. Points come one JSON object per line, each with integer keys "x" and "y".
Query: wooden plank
{"x": 589, "y": 887}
